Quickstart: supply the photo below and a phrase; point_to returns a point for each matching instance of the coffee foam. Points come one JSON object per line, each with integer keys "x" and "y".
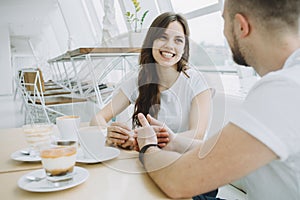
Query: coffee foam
{"x": 57, "y": 152}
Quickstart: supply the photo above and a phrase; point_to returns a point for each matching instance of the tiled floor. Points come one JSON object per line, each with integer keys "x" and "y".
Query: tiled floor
{"x": 12, "y": 116}
{"x": 229, "y": 192}
{"x": 10, "y": 112}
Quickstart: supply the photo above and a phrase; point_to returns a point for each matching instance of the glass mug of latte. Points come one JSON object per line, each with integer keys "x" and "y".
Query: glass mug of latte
{"x": 59, "y": 160}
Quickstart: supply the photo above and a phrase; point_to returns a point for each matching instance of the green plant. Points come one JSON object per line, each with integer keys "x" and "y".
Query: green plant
{"x": 133, "y": 18}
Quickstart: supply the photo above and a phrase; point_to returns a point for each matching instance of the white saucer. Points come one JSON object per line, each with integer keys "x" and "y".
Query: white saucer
{"x": 18, "y": 156}
{"x": 109, "y": 153}
{"x": 80, "y": 175}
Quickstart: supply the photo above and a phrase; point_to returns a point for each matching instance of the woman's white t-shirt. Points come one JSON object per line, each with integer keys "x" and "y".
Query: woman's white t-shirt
{"x": 175, "y": 103}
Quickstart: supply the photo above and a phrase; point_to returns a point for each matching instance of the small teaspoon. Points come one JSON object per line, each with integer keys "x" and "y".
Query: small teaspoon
{"x": 25, "y": 152}
{"x": 34, "y": 178}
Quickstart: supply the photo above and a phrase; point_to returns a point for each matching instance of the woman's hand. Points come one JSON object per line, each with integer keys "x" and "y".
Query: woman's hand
{"x": 164, "y": 134}
{"x": 119, "y": 134}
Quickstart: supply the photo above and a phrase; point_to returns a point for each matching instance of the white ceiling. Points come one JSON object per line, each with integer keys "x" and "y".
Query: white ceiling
{"x": 25, "y": 20}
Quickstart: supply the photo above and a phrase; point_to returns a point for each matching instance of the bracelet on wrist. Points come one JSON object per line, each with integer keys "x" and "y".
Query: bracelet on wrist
{"x": 144, "y": 149}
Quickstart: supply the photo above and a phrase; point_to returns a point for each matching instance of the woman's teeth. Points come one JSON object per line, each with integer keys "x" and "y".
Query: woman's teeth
{"x": 167, "y": 55}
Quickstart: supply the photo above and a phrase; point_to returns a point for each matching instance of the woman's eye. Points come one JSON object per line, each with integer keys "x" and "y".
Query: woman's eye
{"x": 179, "y": 40}
{"x": 163, "y": 37}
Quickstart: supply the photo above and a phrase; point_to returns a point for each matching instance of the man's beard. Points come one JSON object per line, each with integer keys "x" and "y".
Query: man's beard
{"x": 237, "y": 54}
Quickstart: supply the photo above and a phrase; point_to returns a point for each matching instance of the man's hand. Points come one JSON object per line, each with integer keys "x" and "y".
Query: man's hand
{"x": 145, "y": 134}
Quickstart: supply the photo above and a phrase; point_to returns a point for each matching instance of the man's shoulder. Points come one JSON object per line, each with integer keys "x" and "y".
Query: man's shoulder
{"x": 277, "y": 81}
{"x": 287, "y": 75}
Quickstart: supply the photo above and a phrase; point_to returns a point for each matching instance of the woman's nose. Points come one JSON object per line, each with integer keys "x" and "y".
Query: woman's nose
{"x": 169, "y": 44}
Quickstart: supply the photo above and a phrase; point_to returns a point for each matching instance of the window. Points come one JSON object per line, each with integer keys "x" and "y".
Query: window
{"x": 191, "y": 5}
{"x": 207, "y": 31}
{"x": 209, "y": 50}
{"x": 120, "y": 18}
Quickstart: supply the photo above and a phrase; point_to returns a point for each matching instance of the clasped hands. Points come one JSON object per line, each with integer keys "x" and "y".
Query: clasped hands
{"x": 151, "y": 132}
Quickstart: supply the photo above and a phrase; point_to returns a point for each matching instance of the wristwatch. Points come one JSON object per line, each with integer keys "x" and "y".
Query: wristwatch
{"x": 143, "y": 150}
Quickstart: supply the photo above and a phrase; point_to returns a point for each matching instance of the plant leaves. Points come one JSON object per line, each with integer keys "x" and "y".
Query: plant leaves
{"x": 133, "y": 17}
{"x": 137, "y": 5}
{"x": 143, "y": 17}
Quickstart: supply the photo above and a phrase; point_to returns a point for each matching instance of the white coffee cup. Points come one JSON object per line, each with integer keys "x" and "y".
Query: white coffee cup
{"x": 92, "y": 142}
{"x": 68, "y": 127}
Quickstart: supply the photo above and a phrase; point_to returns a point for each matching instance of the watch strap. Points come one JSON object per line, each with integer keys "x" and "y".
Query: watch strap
{"x": 143, "y": 150}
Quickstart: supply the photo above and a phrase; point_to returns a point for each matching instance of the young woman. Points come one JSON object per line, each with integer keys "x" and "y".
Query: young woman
{"x": 165, "y": 87}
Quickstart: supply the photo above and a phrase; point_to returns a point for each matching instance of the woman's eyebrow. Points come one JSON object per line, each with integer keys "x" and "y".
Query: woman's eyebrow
{"x": 179, "y": 36}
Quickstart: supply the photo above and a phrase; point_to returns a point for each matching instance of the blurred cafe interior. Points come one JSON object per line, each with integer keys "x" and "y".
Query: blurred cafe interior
{"x": 69, "y": 57}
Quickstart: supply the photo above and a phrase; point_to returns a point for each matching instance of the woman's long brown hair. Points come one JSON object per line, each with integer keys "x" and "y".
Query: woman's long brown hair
{"x": 148, "y": 101}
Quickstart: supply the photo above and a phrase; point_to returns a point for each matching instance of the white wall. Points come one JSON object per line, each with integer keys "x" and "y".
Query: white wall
{"x": 6, "y": 76}
{"x": 78, "y": 24}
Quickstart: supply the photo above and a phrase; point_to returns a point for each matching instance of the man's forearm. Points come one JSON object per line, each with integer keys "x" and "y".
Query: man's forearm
{"x": 181, "y": 143}
{"x": 162, "y": 167}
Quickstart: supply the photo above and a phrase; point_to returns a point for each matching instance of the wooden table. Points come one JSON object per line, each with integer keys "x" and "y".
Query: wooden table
{"x": 13, "y": 140}
{"x": 120, "y": 178}
{"x": 96, "y": 51}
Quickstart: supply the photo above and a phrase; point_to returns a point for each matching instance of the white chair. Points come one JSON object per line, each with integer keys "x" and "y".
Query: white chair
{"x": 38, "y": 100}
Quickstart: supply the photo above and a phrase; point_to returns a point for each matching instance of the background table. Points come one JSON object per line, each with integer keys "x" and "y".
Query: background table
{"x": 70, "y": 62}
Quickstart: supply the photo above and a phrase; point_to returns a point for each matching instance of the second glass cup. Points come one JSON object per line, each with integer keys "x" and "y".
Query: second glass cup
{"x": 37, "y": 136}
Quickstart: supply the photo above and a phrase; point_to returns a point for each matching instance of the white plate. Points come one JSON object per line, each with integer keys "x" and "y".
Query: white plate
{"x": 109, "y": 153}
{"x": 80, "y": 175}
{"x": 18, "y": 156}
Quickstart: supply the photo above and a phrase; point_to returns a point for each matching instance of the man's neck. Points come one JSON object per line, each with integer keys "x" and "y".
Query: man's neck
{"x": 273, "y": 56}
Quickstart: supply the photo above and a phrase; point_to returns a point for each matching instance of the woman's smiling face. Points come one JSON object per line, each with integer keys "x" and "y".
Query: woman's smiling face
{"x": 167, "y": 50}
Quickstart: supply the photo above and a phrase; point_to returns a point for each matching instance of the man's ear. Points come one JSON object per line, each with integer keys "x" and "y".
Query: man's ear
{"x": 244, "y": 26}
